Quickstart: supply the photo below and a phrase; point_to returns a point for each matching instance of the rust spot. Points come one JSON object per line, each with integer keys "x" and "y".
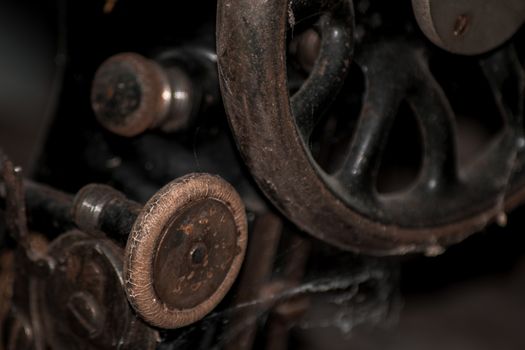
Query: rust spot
{"x": 187, "y": 229}
{"x": 109, "y": 5}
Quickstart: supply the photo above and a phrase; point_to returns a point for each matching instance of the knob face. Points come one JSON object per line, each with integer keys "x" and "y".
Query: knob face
{"x": 130, "y": 94}
{"x": 194, "y": 254}
{"x": 185, "y": 250}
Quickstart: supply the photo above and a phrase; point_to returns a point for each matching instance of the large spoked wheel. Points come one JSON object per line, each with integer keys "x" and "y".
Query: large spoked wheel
{"x": 272, "y": 129}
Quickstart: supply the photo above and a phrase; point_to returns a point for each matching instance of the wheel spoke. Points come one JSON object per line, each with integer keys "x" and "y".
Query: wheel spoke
{"x": 331, "y": 68}
{"x": 436, "y": 120}
{"x": 507, "y": 81}
{"x": 380, "y": 107}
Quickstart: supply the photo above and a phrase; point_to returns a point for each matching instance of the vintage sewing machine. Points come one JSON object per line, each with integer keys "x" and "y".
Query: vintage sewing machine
{"x": 248, "y": 174}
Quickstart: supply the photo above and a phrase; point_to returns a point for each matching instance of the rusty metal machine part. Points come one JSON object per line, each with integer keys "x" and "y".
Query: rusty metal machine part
{"x": 20, "y": 320}
{"x": 66, "y": 299}
{"x": 469, "y": 27}
{"x": 100, "y": 209}
{"x": 23, "y": 326}
{"x": 184, "y": 247}
{"x": 193, "y": 232}
{"x": 272, "y": 131}
{"x": 131, "y": 94}
{"x": 82, "y": 301}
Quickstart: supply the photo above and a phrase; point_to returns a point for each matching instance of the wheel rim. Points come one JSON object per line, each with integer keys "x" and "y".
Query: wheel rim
{"x": 444, "y": 207}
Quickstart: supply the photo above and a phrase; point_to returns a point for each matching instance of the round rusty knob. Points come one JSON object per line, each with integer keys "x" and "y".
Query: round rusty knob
{"x": 131, "y": 94}
{"x": 185, "y": 250}
{"x": 82, "y": 302}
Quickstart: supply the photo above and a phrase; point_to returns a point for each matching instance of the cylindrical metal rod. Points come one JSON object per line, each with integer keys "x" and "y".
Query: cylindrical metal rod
{"x": 100, "y": 208}
{"x": 46, "y": 207}
{"x": 95, "y": 209}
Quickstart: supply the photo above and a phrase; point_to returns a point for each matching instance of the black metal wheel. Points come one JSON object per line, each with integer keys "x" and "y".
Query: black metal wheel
{"x": 445, "y": 204}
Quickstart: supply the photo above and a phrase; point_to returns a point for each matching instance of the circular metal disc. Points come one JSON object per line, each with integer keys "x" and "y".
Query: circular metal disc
{"x": 83, "y": 304}
{"x": 469, "y": 26}
{"x": 185, "y": 250}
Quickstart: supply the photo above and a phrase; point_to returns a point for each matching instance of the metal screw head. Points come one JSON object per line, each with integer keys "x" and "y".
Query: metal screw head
{"x": 85, "y": 314}
{"x": 130, "y": 94}
{"x": 185, "y": 250}
{"x": 461, "y": 25}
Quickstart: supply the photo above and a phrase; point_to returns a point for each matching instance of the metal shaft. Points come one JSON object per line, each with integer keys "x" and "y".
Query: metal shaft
{"x": 96, "y": 209}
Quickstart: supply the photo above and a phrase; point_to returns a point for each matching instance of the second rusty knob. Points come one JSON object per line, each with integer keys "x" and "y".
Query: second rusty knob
{"x": 131, "y": 94}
